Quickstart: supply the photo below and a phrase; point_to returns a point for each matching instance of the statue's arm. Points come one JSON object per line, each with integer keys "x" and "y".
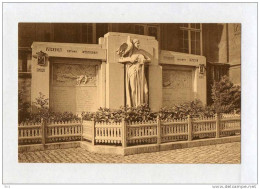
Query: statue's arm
{"x": 147, "y": 59}
{"x": 126, "y": 59}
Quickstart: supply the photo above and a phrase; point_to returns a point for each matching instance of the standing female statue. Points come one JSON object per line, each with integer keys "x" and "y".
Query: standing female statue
{"x": 135, "y": 81}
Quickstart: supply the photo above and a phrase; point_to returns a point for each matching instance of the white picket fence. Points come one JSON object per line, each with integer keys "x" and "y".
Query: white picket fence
{"x": 33, "y": 133}
{"x": 129, "y": 134}
{"x": 160, "y": 131}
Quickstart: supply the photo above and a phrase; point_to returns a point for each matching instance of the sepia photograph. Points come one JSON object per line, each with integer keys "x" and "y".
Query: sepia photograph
{"x": 129, "y": 93}
{"x": 113, "y": 92}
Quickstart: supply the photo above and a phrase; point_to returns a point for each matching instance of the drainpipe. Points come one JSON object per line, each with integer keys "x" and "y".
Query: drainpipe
{"x": 227, "y": 43}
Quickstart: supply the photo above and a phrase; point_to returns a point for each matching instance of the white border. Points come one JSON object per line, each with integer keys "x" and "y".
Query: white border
{"x": 244, "y": 13}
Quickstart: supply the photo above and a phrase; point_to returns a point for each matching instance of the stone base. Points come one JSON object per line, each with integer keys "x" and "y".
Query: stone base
{"x": 102, "y": 149}
{"x": 119, "y": 150}
{"x": 51, "y": 146}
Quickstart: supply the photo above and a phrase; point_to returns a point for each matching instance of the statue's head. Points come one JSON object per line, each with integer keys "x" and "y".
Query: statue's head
{"x": 136, "y": 43}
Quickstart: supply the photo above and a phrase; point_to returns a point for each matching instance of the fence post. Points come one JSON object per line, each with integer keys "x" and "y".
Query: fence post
{"x": 158, "y": 130}
{"x": 93, "y": 133}
{"x": 189, "y": 128}
{"x": 43, "y": 132}
{"x": 81, "y": 122}
{"x": 217, "y": 125}
{"x": 124, "y": 144}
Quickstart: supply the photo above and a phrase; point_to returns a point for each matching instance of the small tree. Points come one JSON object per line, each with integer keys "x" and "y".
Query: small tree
{"x": 41, "y": 104}
{"x": 226, "y": 96}
{"x": 23, "y": 113}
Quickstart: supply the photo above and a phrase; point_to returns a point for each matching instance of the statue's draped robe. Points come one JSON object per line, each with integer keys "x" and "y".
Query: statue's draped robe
{"x": 136, "y": 84}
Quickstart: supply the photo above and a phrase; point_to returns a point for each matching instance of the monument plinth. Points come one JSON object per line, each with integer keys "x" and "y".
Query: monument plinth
{"x": 130, "y": 76}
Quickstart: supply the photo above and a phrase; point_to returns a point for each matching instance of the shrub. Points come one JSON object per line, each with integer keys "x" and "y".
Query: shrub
{"x": 193, "y": 108}
{"x": 23, "y": 108}
{"x": 43, "y": 111}
{"x": 143, "y": 113}
{"x": 226, "y": 96}
{"x": 131, "y": 114}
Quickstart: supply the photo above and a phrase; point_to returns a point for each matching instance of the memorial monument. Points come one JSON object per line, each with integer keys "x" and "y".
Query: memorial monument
{"x": 136, "y": 87}
{"x": 123, "y": 69}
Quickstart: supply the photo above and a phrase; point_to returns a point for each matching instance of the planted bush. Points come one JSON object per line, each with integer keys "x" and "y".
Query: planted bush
{"x": 42, "y": 111}
{"x": 130, "y": 114}
{"x": 143, "y": 113}
{"x": 193, "y": 108}
{"x": 23, "y": 108}
{"x": 226, "y": 96}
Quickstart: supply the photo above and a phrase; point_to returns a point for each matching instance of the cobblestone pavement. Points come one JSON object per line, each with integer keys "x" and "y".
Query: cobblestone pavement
{"x": 221, "y": 153}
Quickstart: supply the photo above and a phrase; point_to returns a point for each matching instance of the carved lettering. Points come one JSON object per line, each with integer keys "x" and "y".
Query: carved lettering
{"x": 72, "y": 51}
{"x": 194, "y": 60}
{"x": 89, "y": 52}
{"x": 40, "y": 69}
{"x": 169, "y": 57}
{"x": 54, "y": 49}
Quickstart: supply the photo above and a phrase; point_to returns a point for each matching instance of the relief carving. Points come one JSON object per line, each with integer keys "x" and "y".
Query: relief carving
{"x": 74, "y": 75}
{"x": 176, "y": 79}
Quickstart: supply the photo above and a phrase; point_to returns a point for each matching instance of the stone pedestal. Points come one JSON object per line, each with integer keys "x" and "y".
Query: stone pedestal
{"x": 115, "y": 94}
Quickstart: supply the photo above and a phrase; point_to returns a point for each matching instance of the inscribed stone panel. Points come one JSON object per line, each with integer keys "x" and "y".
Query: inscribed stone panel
{"x": 177, "y": 87}
{"x": 74, "y": 88}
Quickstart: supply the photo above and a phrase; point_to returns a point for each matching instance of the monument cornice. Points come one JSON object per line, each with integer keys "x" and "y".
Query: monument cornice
{"x": 71, "y": 50}
{"x": 182, "y": 59}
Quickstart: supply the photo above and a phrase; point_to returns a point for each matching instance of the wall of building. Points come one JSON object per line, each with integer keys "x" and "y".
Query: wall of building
{"x": 170, "y": 37}
{"x": 215, "y": 43}
{"x": 30, "y": 32}
{"x": 234, "y": 42}
{"x": 222, "y": 44}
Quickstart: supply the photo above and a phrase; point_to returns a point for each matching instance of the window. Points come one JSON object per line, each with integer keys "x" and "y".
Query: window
{"x": 153, "y": 31}
{"x": 24, "y": 62}
{"x": 74, "y": 33}
{"x": 87, "y": 33}
{"x": 101, "y": 30}
{"x": 139, "y": 29}
{"x": 147, "y": 29}
{"x": 191, "y": 38}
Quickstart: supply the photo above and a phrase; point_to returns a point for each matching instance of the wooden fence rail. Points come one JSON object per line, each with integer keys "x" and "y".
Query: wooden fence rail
{"x": 43, "y": 132}
{"x": 129, "y": 134}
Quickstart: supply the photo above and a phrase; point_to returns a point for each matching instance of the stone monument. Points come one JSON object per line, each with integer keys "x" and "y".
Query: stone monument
{"x": 132, "y": 54}
{"x": 136, "y": 88}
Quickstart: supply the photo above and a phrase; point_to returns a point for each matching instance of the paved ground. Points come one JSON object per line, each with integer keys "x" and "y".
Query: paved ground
{"x": 221, "y": 153}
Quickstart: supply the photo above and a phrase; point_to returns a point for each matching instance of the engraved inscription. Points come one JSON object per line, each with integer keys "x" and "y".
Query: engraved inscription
{"x": 74, "y": 88}
{"x": 85, "y": 99}
{"x": 63, "y": 99}
{"x": 177, "y": 87}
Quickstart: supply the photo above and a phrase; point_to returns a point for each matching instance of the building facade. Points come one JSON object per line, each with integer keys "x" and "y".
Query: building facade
{"x": 186, "y": 59}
